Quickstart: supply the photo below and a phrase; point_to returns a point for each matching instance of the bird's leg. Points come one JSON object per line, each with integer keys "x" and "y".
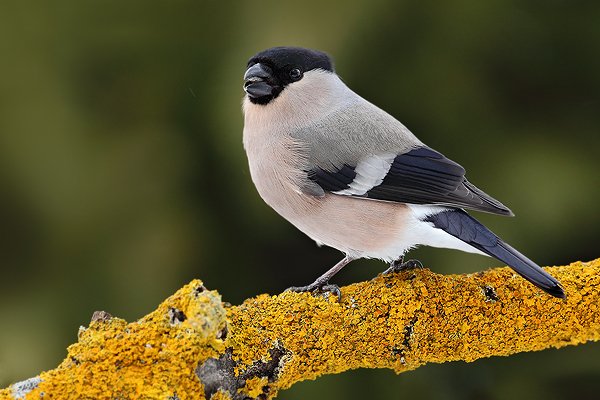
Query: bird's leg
{"x": 401, "y": 265}
{"x": 322, "y": 282}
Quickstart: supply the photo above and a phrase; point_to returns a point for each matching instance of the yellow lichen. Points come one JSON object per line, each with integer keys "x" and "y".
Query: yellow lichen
{"x": 394, "y": 321}
{"x": 151, "y": 358}
{"x": 254, "y": 387}
{"x": 268, "y": 343}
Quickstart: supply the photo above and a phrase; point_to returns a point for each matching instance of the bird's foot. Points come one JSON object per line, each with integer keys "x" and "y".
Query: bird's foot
{"x": 318, "y": 287}
{"x": 401, "y": 265}
{"x": 322, "y": 285}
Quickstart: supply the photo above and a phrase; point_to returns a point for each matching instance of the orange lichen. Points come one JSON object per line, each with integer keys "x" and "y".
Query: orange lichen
{"x": 192, "y": 344}
{"x": 151, "y": 358}
{"x": 404, "y": 321}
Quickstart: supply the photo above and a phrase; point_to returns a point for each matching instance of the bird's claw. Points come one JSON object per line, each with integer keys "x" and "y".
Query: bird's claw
{"x": 401, "y": 265}
{"x": 318, "y": 288}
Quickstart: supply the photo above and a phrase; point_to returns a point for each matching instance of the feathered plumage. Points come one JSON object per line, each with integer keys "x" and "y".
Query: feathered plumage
{"x": 352, "y": 177}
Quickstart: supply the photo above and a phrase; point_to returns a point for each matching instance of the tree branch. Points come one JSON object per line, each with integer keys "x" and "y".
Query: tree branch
{"x": 195, "y": 346}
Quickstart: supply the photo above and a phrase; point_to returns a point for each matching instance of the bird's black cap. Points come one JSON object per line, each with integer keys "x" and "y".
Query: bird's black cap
{"x": 271, "y": 71}
{"x": 279, "y": 58}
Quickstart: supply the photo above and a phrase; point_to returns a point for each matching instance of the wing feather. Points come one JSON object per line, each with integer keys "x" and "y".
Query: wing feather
{"x": 419, "y": 176}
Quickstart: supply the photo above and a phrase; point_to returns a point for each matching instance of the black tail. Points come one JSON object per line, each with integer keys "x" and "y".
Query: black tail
{"x": 466, "y": 228}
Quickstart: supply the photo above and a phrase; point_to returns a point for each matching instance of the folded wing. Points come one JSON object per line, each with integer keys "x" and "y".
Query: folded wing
{"x": 419, "y": 176}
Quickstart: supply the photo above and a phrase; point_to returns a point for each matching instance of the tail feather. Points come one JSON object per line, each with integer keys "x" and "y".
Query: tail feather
{"x": 466, "y": 228}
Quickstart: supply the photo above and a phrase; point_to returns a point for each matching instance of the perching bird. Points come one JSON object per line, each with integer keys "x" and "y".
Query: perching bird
{"x": 352, "y": 177}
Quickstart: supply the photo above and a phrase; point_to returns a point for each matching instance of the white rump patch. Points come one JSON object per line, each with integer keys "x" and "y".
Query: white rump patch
{"x": 370, "y": 172}
{"x": 429, "y": 235}
{"x": 422, "y": 211}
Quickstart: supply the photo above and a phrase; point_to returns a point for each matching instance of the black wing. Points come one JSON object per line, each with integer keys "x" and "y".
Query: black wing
{"x": 420, "y": 176}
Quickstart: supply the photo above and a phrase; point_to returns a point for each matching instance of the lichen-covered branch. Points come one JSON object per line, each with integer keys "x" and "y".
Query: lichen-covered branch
{"x": 194, "y": 346}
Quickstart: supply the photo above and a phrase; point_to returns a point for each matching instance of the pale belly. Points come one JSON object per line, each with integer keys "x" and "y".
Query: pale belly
{"x": 360, "y": 228}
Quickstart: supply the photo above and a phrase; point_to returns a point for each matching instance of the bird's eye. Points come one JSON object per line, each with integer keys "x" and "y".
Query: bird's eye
{"x": 295, "y": 74}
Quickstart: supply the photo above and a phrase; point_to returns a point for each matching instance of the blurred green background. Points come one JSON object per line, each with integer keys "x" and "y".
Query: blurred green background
{"x": 122, "y": 174}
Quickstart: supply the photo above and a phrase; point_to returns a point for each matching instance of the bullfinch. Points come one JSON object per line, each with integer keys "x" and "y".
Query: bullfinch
{"x": 352, "y": 177}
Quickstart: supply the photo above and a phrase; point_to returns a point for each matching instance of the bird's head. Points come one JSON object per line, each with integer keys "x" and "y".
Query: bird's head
{"x": 273, "y": 70}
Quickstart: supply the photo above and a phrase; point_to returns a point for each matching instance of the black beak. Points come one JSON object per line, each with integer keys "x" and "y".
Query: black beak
{"x": 259, "y": 81}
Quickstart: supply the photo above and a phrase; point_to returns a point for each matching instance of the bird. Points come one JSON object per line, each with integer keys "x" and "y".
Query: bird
{"x": 352, "y": 177}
